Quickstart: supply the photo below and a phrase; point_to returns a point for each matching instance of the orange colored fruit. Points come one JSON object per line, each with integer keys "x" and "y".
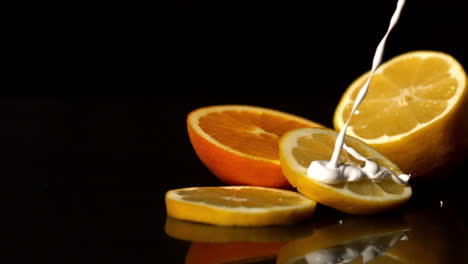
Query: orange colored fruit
{"x": 239, "y": 143}
{"x": 234, "y": 252}
{"x": 414, "y": 113}
{"x": 299, "y": 147}
{"x": 238, "y": 205}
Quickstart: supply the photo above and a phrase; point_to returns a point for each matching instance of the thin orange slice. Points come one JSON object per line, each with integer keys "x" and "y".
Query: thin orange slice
{"x": 299, "y": 147}
{"x": 238, "y": 205}
{"x": 414, "y": 112}
{"x": 239, "y": 143}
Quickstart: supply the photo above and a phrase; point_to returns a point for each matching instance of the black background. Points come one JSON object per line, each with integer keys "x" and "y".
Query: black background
{"x": 85, "y": 176}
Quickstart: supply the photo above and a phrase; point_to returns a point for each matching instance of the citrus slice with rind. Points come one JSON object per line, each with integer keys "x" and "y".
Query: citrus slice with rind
{"x": 238, "y": 205}
{"x": 299, "y": 147}
{"x": 239, "y": 143}
{"x": 414, "y": 112}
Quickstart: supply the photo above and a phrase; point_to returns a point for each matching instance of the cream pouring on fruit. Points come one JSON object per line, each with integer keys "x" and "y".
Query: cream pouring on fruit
{"x": 332, "y": 172}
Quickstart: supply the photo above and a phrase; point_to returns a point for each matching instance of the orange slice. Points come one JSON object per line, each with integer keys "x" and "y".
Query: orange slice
{"x": 239, "y": 143}
{"x": 414, "y": 112}
{"x": 238, "y": 205}
{"x": 299, "y": 147}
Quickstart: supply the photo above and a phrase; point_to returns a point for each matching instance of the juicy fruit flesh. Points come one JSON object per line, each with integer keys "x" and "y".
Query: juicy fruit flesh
{"x": 240, "y": 197}
{"x": 411, "y": 92}
{"x": 251, "y": 133}
{"x": 320, "y": 147}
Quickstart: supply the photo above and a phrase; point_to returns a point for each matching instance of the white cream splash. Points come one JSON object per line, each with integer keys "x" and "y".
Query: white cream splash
{"x": 335, "y": 172}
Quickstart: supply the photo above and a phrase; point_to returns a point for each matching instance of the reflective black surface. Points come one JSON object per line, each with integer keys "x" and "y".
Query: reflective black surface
{"x": 429, "y": 229}
{"x": 95, "y": 173}
{"x": 84, "y": 178}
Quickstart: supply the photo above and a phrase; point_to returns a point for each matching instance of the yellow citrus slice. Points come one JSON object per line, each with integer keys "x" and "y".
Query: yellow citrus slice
{"x": 299, "y": 147}
{"x": 239, "y": 143}
{"x": 414, "y": 112}
{"x": 238, "y": 205}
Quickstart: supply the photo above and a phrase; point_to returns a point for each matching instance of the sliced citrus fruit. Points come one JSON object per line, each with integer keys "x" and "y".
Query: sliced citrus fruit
{"x": 239, "y": 143}
{"x": 414, "y": 112}
{"x": 199, "y": 232}
{"x": 238, "y": 205}
{"x": 235, "y": 252}
{"x": 299, "y": 147}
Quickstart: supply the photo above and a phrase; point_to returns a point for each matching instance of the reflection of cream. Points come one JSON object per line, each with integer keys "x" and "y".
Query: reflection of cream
{"x": 334, "y": 172}
{"x": 332, "y": 256}
{"x": 369, "y": 248}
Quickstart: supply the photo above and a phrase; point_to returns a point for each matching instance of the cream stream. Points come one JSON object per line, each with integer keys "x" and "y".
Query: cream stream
{"x": 334, "y": 172}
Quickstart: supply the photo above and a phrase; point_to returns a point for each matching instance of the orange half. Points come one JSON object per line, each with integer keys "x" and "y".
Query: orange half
{"x": 239, "y": 143}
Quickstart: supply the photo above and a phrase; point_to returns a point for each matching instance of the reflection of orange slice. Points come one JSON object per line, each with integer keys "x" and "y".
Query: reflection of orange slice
{"x": 191, "y": 231}
{"x": 235, "y": 252}
{"x": 351, "y": 228}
